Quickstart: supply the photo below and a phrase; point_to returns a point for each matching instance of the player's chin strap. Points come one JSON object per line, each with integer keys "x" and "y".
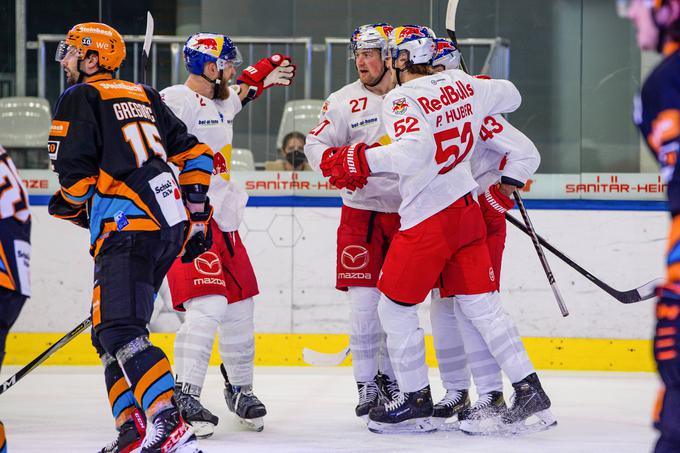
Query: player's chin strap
{"x": 385, "y": 69}
{"x": 216, "y": 83}
{"x": 399, "y": 71}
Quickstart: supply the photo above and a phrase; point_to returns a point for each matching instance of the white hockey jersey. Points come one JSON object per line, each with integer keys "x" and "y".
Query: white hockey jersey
{"x": 13, "y": 194}
{"x": 211, "y": 121}
{"x": 434, "y": 123}
{"x": 351, "y": 115}
{"x": 502, "y": 150}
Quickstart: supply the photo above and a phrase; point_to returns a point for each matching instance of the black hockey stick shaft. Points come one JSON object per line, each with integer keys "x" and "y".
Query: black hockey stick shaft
{"x": 45, "y": 355}
{"x": 541, "y": 255}
{"x": 626, "y": 297}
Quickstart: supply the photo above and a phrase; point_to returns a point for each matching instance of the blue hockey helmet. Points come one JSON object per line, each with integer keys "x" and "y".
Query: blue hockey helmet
{"x": 202, "y": 48}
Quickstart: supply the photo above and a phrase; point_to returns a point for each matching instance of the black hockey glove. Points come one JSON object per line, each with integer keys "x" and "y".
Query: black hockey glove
{"x": 197, "y": 234}
{"x": 60, "y": 208}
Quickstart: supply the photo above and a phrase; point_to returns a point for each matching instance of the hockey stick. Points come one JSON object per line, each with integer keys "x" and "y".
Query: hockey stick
{"x": 45, "y": 355}
{"x": 644, "y": 292}
{"x": 146, "y": 48}
{"x": 541, "y": 255}
{"x": 451, "y": 9}
{"x": 316, "y": 358}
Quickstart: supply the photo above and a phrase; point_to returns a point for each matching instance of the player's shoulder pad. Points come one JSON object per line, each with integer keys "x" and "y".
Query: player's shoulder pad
{"x": 75, "y": 95}
{"x": 664, "y": 81}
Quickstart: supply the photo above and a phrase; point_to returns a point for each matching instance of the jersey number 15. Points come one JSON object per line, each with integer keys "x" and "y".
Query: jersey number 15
{"x": 144, "y": 139}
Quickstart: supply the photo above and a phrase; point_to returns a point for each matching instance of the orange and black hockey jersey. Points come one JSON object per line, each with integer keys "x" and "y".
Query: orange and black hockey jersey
{"x": 657, "y": 114}
{"x": 110, "y": 142}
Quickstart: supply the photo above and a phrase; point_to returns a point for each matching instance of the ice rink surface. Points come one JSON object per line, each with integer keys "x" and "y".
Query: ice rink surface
{"x": 65, "y": 409}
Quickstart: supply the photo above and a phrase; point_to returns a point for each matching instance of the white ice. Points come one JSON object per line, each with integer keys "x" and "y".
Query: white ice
{"x": 65, "y": 409}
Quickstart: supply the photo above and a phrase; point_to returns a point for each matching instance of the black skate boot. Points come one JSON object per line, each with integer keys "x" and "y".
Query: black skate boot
{"x": 242, "y": 402}
{"x": 528, "y": 400}
{"x": 389, "y": 389}
{"x": 170, "y": 434}
{"x": 484, "y": 417}
{"x": 130, "y": 435}
{"x": 451, "y": 405}
{"x": 193, "y": 412}
{"x": 407, "y": 413}
{"x": 369, "y": 395}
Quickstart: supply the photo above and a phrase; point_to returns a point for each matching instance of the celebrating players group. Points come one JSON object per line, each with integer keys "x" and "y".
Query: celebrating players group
{"x": 426, "y": 164}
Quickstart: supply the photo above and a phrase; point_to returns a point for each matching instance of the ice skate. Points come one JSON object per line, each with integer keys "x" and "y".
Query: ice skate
{"x": 408, "y": 413}
{"x": 448, "y": 407}
{"x": 169, "y": 433}
{"x": 242, "y": 401}
{"x": 484, "y": 417}
{"x": 201, "y": 419}
{"x": 130, "y": 435}
{"x": 529, "y": 409}
{"x": 369, "y": 395}
{"x": 388, "y": 387}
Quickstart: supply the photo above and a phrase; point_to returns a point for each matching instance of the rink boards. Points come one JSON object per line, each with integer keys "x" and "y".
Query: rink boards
{"x": 293, "y": 253}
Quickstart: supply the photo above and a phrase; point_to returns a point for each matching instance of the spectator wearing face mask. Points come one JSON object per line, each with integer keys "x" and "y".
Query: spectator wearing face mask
{"x": 293, "y": 156}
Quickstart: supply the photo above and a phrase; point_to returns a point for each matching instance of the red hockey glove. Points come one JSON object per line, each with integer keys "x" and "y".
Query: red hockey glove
{"x": 494, "y": 202}
{"x": 197, "y": 233}
{"x": 60, "y": 208}
{"x": 274, "y": 70}
{"x": 354, "y": 162}
{"x": 328, "y": 159}
{"x": 348, "y": 167}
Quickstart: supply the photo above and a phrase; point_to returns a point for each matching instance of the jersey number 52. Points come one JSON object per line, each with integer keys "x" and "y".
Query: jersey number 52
{"x": 459, "y": 135}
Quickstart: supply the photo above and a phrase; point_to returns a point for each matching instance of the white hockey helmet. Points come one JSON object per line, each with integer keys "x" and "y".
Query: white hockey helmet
{"x": 447, "y": 54}
{"x": 418, "y": 41}
{"x": 370, "y": 36}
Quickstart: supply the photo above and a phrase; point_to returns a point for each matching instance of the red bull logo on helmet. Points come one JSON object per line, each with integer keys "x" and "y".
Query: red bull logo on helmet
{"x": 408, "y": 33}
{"x": 207, "y": 43}
{"x": 210, "y": 43}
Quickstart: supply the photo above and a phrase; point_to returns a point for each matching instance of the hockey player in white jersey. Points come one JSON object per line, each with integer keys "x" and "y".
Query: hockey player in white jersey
{"x": 503, "y": 160}
{"x": 369, "y": 216}
{"x": 218, "y": 287}
{"x": 434, "y": 122}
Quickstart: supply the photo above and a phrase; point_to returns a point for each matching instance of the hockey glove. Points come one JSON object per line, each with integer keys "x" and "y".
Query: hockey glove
{"x": 274, "y": 70}
{"x": 349, "y": 167}
{"x": 197, "y": 234}
{"x": 328, "y": 160}
{"x": 494, "y": 202}
{"x": 60, "y": 208}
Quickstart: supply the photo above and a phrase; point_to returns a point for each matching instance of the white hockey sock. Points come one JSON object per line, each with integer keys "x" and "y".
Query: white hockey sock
{"x": 195, "y": 338}
{"x": 448, "y": 344}
{"x": 499, "y": 333}
{"x": 405, "y": 343}
{"x": 365, "y": 332}
{"x": 237, "y": 342}
{"x": 486, "y": 374}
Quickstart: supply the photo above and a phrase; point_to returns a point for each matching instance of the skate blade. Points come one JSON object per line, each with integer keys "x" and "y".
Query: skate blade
{"x": 202, "y": 430}
{"x": 413, "y": 426}
{"x": 186, "y": 444}
{"x": 544, "y": 421}
{"x": 443, "y": 425}
{"x": 252, "y": 424}
{"x": 491, "y": 426}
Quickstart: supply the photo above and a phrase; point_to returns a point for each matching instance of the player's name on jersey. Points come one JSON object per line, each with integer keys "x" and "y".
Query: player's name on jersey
{"x": 590, "y": 186}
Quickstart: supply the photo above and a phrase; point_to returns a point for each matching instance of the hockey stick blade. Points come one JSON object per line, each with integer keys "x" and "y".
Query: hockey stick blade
{"x": 638, "y": 294}
{"x": 451, "y": 9}
{"x": 316, "y": 358}
{"x": 146, "y": 47}
{"x": 45, "y": 355}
